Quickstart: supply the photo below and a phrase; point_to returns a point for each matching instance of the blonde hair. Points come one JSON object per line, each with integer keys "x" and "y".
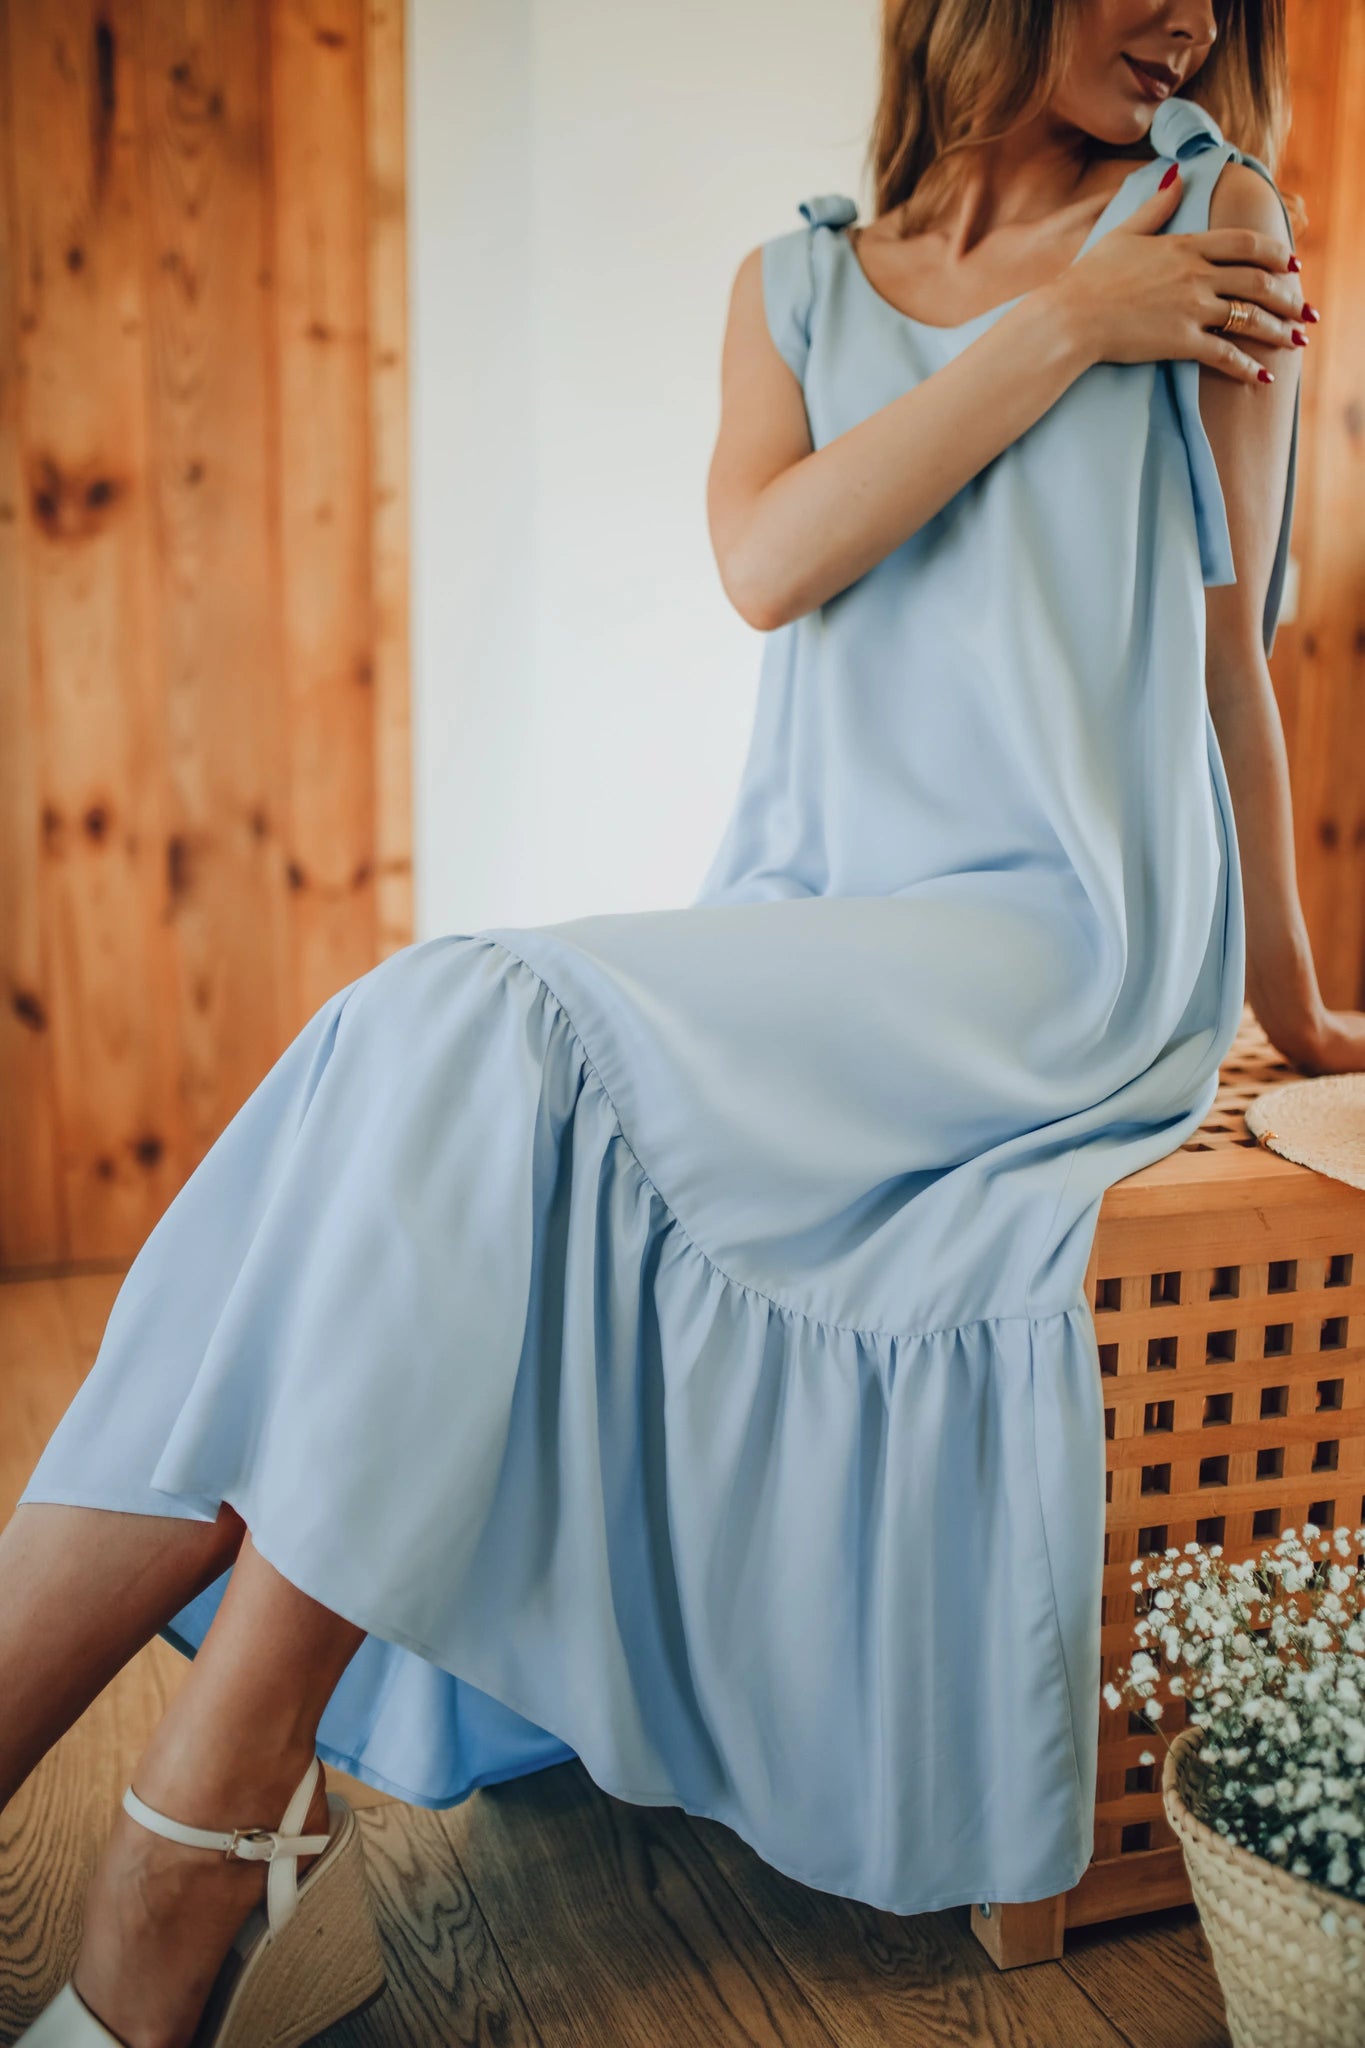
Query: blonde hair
{"x": 956, "y": 74}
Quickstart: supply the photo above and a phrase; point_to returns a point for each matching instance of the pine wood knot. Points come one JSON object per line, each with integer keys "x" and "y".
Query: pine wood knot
{"x": 28, "y": 1009}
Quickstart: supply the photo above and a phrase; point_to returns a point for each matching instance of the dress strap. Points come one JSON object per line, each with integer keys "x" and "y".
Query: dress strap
{"x": 1182, "y": 128}
{"x": 792, "y": 269}
{"x": 829, "y": 210}
{"x": 1184, "y": 131}
{"x": 1188, "y": 134}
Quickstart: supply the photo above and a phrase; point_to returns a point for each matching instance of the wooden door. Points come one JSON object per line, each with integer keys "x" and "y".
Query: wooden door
{"x": 204, "y": 726}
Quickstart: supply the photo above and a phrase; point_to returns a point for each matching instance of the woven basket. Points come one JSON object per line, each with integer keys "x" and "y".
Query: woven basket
{"x": 1285, "y": 1983}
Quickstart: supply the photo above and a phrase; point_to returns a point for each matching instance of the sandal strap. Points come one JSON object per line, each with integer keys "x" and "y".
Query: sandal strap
{"x": 253, "y": 1845}
{"x": 280, "y": 1847}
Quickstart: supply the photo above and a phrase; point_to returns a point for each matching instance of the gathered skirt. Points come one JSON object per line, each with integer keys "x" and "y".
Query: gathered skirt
{"x": 635, "y": 1413}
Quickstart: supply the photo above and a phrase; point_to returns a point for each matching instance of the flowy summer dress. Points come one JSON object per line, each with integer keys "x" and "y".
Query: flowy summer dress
{"x": 665, "y": 1333}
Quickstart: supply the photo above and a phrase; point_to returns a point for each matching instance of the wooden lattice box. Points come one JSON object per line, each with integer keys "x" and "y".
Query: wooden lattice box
{"x": 1228, "y": 1287}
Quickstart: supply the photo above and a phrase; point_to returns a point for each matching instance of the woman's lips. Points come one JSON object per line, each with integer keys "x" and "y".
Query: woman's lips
{"x": 1155, "y": 81}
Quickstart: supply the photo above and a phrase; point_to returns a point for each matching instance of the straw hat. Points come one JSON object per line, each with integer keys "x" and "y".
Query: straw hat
{"x": 1318, "y": 1123}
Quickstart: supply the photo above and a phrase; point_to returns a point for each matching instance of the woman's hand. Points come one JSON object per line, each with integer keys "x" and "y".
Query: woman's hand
{"x": 1336, "y": 1045}
{"x": 1142, "y": 297}
{"x": 793, "y": 525}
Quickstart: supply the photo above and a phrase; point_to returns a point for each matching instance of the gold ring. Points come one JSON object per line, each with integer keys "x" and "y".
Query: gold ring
{"x": 1238, "y": 317}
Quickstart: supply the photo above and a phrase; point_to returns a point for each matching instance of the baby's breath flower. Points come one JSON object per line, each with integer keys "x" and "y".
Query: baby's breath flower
{"x": 1271, "y": 1651}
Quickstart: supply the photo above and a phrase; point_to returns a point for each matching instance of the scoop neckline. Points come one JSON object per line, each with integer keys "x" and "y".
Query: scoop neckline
{"x": 1093, "y": 234}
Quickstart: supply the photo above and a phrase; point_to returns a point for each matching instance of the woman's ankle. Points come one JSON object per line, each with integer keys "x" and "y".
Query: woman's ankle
{"x": 212, "y": 1779}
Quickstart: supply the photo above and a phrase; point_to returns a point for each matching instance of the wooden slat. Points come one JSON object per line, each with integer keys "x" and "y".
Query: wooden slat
{"x": 1340, "y": 555}
{"x": 1314, "y": 34}
{"x": 385, "y": 129}
{"x": 93, "y": 681}
{"x": 317, "y": 50}
{"x": 1116, "y": 1887}
{"x": 204, "y": 204}
{"x": 30, "y": 1190}
{"x": 1327, "y": 654}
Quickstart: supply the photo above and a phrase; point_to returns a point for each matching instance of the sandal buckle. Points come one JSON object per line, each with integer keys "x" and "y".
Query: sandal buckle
{"x": 254, "y": 1836}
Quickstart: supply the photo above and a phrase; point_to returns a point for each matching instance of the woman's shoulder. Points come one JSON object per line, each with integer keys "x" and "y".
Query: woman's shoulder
{"x": 1246, "y": 196}
{"x": 786, "y": 270}
{"x": 794, "y": 251}
{"x": 822, "y": 215}
{"x": 1236, "y": 188}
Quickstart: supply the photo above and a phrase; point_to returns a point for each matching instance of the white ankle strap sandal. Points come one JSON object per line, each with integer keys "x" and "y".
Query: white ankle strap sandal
{"x": 280, "y": 1848}
{"x": 298, "y": 1964}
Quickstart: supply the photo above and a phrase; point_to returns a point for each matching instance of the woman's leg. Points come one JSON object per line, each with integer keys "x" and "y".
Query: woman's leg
{"x": 81, "y": 1591}
{"x": 229, "y": 1751}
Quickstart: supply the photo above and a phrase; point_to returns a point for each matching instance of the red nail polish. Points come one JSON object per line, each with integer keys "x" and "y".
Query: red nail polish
{"x": 1309, "y": 312}
{"x": 1265, "y": 376}
{"x": 1294, "y": 263}
{"x": 1174, "y": 172}
{"x": 1300, "y": 340}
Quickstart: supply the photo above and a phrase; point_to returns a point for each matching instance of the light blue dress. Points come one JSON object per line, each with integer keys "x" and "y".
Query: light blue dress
{"x": 665, "y": 1333}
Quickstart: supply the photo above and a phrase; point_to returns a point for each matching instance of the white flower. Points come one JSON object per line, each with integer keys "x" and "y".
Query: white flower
{"x": 1269, "y": 1651}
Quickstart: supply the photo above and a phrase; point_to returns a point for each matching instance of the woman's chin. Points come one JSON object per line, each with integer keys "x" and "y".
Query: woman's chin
{"x": 1118, "y": 119}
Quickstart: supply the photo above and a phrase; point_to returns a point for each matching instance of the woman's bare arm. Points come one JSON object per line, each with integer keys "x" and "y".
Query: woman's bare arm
{"x": 791, "y": 527}
{"x": 1250, "y": 435}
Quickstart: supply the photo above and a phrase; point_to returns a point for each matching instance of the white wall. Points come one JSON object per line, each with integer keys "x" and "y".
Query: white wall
{"x": 584, "y": 177}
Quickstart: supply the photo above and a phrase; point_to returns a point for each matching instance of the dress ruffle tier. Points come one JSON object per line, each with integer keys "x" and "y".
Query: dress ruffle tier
{"x": 588, "y": 1493}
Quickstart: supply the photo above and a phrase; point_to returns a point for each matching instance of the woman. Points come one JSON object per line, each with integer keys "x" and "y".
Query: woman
{"x": 662, "y": 1337}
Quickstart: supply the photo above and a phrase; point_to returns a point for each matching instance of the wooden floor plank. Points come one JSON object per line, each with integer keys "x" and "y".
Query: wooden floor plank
{"x": 52, "y": 1832}
{"x": 606, "y": 1930}
{"x": 1154, "y": 1978}
{"x": 85, "y": 1300}
{"x": 921, "y": 1982}
{"x": 447, "y": 1979}
{"x": 41, "y": 1370}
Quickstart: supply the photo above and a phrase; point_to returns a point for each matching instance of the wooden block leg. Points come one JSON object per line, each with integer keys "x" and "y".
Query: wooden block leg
{"x": 1011, "y": 1935}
